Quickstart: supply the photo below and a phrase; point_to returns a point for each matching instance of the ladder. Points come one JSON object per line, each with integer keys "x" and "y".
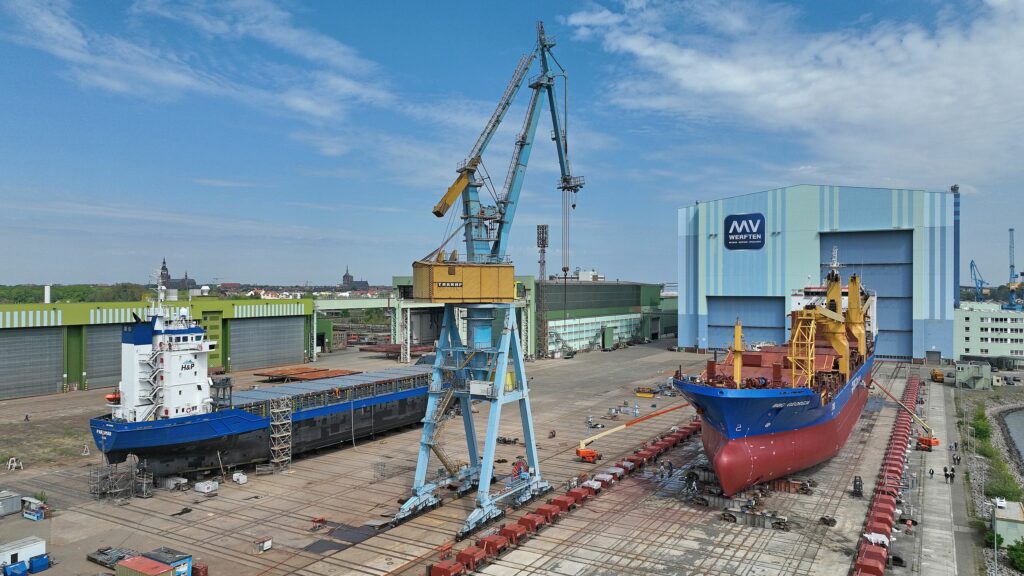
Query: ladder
{"x": 802, "y": 349}
{"x": 440, "y": 417}
{"x": 281, "y": 433}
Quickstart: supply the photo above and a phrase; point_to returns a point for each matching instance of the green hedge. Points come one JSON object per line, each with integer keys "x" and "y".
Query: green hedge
{"x": 1001, "y": 483}
{"x": 1015, "y": 552}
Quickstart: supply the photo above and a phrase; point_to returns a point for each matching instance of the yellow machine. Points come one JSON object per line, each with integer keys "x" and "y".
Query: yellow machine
{"x": 449, "y": 281}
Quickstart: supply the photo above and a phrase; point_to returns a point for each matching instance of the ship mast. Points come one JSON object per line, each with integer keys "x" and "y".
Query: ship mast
{"x": 737, "y": 353}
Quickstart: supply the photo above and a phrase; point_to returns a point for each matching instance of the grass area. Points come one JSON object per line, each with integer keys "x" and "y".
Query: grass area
{"x": 42, "y": 442}
{"x": 1001, "y": 483}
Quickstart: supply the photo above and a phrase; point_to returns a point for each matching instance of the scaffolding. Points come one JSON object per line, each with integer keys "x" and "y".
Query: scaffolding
{"x": 114, "y": 481}
{"x": 144, "y": 484}
{"x": 281, "y": 433}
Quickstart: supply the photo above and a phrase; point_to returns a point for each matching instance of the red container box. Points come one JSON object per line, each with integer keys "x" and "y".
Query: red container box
{"x": 532, "y": 522}
{"x": 471, "y": 557}
{"x": 493, "y": 545}
{"x": 564, "y": 503}
{"x": 580, "y": 495}
{"x": 515, "y": 533}
{"x": 550, "y": 512}
{"x": 442, "y": 568}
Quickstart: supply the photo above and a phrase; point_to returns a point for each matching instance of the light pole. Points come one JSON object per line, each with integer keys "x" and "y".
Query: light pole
{"x": 995, "y": 542}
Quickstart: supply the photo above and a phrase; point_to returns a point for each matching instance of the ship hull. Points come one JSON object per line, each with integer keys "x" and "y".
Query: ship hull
{"x": 235, "y": 437}
{"x": 753, "y": 436}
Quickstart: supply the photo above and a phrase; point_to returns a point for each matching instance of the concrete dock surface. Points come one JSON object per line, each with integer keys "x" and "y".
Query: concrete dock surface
{"x": 643, "y": 525}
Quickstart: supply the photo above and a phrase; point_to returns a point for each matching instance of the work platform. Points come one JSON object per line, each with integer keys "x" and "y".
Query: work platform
{"x": 639, "y": 526}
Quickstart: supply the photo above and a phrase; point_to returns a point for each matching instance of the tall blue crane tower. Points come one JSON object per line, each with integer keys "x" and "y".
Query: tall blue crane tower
{"x": 979, "y": 283}
{"x": 483, "y": 361}
{"x": 1014, "y": 283}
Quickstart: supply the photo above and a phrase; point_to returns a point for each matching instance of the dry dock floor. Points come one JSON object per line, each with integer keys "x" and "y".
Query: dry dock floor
{"x": 641, "y": 526}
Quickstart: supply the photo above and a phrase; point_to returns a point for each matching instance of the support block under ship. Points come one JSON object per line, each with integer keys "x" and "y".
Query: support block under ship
{"x": 176, "y": 420}
{"x": 774, "y": 411}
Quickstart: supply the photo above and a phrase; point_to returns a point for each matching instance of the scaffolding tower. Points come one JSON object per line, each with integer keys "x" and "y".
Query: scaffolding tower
{"x": 281, "y": 433}
{"x": 114, "y": 481}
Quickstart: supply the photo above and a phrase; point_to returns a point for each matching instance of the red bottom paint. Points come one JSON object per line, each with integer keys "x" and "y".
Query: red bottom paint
{"x": 743, "y": 462}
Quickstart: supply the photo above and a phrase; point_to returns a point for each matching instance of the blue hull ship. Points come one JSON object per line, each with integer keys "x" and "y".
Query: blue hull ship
{"x": 772, "y": 411}
{"x": 325, "y": 413}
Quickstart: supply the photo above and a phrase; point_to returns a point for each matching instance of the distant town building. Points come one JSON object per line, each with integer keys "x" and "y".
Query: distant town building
{"x": 348, "y": 282}
{"x": 166, "y": 281}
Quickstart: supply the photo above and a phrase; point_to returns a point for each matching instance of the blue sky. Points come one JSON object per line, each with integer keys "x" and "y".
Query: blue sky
{"x": 279, "y": 142}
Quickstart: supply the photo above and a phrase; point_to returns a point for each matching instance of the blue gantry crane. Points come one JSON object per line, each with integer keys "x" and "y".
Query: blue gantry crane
{"x": 979, "y": 282}
{"x": 483, "y": 361}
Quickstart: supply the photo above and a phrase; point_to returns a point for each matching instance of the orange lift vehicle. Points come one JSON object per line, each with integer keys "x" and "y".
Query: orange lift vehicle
{"x": 925, "y": 442}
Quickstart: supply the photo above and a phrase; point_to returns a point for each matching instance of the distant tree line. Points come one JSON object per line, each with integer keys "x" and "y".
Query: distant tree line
{"x": 32, "y": 294}
{"x": 991, "y": 294}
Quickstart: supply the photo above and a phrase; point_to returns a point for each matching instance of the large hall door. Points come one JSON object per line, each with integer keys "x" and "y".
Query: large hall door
{"x": 262, "y": 342}
{"x": 885, "y": 262}
{"x": 764, "y": 319}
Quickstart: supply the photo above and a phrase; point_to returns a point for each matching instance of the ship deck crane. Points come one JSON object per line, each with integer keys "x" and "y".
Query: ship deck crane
{"x": 475, "y": 363}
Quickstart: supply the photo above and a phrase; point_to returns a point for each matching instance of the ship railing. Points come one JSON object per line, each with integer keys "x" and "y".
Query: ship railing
{"x": 186, "y": 347}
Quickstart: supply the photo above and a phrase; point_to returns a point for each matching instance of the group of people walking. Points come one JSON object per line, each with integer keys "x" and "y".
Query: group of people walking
{"x": 949, "y": 472}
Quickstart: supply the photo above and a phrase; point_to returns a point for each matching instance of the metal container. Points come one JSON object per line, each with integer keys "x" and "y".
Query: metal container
{"x": 207, "y": 487}
{"x": 10, "y": 503}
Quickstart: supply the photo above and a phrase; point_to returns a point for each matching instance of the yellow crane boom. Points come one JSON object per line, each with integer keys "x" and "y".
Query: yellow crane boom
{"x": 635, "y": 421}
{"x": 913, "y": 415}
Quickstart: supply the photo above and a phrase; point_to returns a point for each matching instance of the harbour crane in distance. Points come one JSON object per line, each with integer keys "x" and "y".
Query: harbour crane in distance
{"x": 478, "y": 289}
{"x": 979, "y": 282}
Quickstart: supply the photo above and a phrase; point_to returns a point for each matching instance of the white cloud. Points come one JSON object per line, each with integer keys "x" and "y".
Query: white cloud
{"x": 891, "y": 103}
{"x": 334, "y": 78}
{"x": 261, "y": 20}
{"x": 106, "y": 61}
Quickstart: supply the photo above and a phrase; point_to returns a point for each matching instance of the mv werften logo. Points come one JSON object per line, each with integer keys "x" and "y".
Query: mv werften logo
{"x": 744, "y": 231}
